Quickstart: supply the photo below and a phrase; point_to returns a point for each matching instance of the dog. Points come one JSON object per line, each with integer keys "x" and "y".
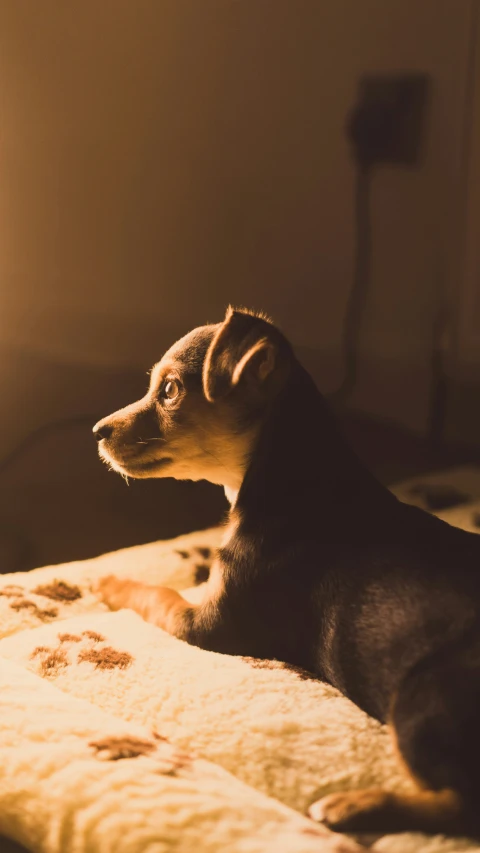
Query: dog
{"x": 320, "y": 566}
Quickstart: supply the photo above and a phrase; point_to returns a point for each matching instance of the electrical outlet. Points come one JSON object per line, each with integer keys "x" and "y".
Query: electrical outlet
{"x": 387, "y": 125}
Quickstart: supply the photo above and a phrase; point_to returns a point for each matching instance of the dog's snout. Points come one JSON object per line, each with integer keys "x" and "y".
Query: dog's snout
{"x": 102, "y": 430}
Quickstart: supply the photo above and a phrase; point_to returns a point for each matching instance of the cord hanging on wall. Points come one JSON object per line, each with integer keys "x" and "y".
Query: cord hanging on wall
{"x": 386, "y": 127}
{"x": 357, "y": 298}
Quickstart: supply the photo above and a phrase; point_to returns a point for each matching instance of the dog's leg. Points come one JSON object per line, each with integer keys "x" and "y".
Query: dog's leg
{"x": 375, "y": 810}
{"x": 434, "y": 721}
{"x": 157, "y": 604}
{"x": 206, "y": 624}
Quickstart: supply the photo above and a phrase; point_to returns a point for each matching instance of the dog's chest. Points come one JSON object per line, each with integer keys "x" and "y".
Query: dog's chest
{"x": 214, "y": 585}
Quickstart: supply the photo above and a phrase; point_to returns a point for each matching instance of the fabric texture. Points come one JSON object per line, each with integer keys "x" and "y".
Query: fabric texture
{"x": 116, "y": 736}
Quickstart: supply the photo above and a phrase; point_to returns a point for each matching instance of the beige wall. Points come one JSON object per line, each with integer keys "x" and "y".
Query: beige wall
{"x": 463, "y": 414}
{"x": 161, "y": 158}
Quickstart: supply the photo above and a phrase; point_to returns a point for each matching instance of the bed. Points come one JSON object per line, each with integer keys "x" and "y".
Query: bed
{"x": 117, "y": 737}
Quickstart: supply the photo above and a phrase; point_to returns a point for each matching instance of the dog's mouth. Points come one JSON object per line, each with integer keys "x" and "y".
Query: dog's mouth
{"x": 135, "y": 466}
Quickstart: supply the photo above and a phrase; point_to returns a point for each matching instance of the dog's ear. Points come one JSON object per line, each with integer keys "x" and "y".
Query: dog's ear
{"x": 243, "y": 346}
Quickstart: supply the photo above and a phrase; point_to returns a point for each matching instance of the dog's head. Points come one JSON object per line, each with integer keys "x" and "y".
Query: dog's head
{"x": 207, "y": 399}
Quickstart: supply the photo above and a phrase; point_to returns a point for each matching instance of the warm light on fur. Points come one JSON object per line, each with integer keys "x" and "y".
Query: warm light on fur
{"x": 205, "y": 434}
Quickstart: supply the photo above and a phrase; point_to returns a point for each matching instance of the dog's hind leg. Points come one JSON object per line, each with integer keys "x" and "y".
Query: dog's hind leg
{"x": 378, "y": 811}
{"x": 435, "y": 721}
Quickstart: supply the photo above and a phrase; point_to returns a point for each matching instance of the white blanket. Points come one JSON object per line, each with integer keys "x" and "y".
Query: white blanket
{"x": 75, "y": 678}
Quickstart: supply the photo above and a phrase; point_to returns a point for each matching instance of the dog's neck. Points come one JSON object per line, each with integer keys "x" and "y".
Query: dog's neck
{"x": 301, "y": 455}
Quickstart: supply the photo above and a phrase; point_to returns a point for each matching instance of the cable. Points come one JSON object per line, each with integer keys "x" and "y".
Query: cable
{"x": 357, "y": 298}
{"x": 369, "y": 129}
{"x": 443, "y": 344}
{"x": 437, "y": 412}
{"x": 379, "y": 129}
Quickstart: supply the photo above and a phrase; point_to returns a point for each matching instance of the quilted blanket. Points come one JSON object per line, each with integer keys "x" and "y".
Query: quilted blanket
{"x": 117, "y": 737}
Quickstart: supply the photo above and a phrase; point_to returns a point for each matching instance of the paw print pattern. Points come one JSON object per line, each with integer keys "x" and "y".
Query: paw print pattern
{"x": 58, "y": 591}
{"x": 202, "y": 558}
{"x": 115, "y": 748}
{"x": 90, "y": 647}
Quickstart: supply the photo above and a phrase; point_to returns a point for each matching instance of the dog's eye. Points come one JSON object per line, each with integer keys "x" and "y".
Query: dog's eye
{"x": 171, "y": 389}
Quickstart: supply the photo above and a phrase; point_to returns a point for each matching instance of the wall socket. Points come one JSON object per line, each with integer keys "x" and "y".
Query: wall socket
{"x": 388, "y": 122}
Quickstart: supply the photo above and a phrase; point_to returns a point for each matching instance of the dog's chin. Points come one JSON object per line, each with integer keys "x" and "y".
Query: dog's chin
{"x": 144, "y": 470}
{"x": 136, "y": 468}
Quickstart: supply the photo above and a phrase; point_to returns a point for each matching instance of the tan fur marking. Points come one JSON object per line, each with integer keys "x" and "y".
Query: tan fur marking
{"x": 156, "y": 604}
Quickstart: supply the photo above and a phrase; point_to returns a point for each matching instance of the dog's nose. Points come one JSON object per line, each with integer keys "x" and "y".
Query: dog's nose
{"x": 102, "y": 430}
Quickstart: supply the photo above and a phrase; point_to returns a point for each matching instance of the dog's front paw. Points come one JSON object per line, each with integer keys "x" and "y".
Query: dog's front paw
{"x": 350, "y": 811}
{"x": 115, "y": 592}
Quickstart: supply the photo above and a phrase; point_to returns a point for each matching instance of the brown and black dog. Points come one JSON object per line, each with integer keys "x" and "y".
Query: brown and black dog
{"x": 321, "y": 566}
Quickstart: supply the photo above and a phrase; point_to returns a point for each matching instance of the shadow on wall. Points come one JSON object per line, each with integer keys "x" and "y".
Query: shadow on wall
{"x": 9, "y": 846}
{"x": 58, "y": 502}
{"x": 172, "y": 157}
{"x": 168, "y": 158}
